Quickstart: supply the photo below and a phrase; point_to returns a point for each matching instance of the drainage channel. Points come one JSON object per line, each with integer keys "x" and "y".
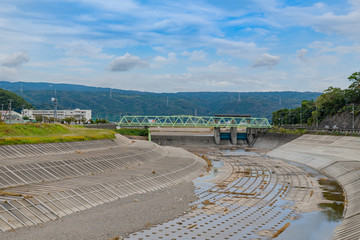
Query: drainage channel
{"x": 259, "y": 198}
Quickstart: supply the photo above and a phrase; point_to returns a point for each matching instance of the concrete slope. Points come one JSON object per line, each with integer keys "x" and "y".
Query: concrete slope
{"x": 50, "y": 181}
{"x": 337, "y": 157}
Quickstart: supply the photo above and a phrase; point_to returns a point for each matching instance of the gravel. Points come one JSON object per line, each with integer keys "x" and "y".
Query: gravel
{"x": 117, "y": 218}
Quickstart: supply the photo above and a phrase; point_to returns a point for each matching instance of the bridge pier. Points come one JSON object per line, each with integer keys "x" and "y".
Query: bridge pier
{"x": 233, "y": 135}
{"x": 252, "y": 135}
{"x": 217, "y": 135}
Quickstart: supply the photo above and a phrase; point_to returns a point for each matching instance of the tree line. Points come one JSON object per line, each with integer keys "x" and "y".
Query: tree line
{"x": 333, "y": 101}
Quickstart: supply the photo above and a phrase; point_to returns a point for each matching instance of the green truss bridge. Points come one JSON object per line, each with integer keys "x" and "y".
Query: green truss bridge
{"x": 193, "y": 121}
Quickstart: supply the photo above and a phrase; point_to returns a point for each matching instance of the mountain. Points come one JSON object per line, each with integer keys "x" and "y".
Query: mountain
{"x": 110, "y": 104}
{"x": 17, "y": 102}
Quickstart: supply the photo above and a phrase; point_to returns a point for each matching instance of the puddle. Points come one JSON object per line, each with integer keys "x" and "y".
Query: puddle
{"x": 206, "y": 180}
{"x": 237, "y": 152}
{"x": 310, "y": 226}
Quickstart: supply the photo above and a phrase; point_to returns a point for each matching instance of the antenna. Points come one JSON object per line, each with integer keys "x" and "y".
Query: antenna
{"x": 239, "y": 98}
{"x": 167, "y": 101}
{"x": 110, "y": 93}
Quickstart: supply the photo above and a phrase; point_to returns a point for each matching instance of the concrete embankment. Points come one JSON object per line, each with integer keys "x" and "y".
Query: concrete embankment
{"x": 269, "y": 141}
{"x": 337, "y": 157}
{"x": 44, "y": 182}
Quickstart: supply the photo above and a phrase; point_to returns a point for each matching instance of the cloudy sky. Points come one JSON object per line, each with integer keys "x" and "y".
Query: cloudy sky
{"x": 171, "y": 46}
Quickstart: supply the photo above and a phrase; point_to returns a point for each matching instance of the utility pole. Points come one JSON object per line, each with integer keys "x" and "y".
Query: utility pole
{"x": 10, "y": 101}
{"x": 195, "y": 112}
{"x": 353, "y": 116}
{"x": 2, "y": 111}
{"x": 317, "y": 120}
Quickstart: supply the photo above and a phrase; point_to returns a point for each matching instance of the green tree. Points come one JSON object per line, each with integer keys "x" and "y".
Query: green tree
{"x": 353, "y": 92}
{"x": 355, "y": 80}
{"x": 17, "y": 104}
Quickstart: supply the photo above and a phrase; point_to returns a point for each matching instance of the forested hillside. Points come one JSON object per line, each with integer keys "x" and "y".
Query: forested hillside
{"x": 111, "y": 104}
{"x": 17, "y": 101}
{"x": 333, "y": 101}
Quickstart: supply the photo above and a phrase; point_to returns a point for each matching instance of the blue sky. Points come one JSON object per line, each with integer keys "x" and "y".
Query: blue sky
{"x": 172, "y": 46}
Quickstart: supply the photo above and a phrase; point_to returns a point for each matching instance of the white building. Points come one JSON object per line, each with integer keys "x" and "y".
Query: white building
{"x": 77, "y": 114}
{"x": 7, "y": 115}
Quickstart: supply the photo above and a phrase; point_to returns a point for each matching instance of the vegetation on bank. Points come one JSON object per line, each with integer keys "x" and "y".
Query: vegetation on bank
{"x": 17, "y": 102}
{"x": 277, "y": 129}
{"x": 133, "y": 132}
{"x": 302, "y": 131}
{"x": 333, "y": 101}
{"x": 33, "y": 133}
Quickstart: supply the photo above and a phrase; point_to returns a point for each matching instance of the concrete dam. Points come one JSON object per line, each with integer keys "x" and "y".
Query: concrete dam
{"x": 134, "y": 189}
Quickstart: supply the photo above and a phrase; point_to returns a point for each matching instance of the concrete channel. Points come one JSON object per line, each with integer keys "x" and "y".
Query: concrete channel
{"x": 291, "y": 184}
{"x": 250, "y": 197}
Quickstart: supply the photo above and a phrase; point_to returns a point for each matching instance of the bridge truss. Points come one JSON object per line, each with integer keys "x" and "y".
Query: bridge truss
{"x": 193, "y": 121}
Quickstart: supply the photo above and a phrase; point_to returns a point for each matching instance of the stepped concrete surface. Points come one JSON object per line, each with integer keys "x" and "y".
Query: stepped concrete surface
{"x": 45, "y": 182}
{"x": 337, "y": 157}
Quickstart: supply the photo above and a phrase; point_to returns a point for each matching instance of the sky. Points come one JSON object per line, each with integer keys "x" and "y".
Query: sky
{"x": 176, "y": 46}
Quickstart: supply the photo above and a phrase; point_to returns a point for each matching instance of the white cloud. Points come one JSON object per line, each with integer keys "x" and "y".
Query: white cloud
{"x": 238, "y": 49}
{"x": 126, "y": 63}
{"x": 328, "y": 47}
{"x": 218, "y": 67}
{"x": 266, "y": 60}
{"x": 84, "y": 49}
{"x": 122, "y": 6}
{"x": 160, "y": 61}
{"x": 301, "y": 54}
{"x": 170, "y": 58}
{"x": 16, "y": 59}
{"x": 8, "y": 74}
{"x": 196, "y": 55}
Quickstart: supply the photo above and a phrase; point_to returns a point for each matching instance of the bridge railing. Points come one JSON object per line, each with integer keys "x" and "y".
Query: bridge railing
{"x": 193, "y": 121}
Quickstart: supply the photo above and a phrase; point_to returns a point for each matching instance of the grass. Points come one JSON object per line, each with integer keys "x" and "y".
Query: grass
{"x": 34, "y": 133}
{"x": 301, "y": 131}
{"x": 276, "y": 129}
{"x": 133, "y": 132}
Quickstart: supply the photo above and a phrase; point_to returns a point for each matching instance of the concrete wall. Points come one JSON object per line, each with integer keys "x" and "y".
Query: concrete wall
{"x": 337, "y": 157}
{"x": 182, "y": 140}
{"x": 269, "y": 141}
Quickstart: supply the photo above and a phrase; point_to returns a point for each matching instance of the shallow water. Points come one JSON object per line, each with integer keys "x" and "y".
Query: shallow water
{"x": 317, "y": 225}
{"x": 254, "y": 200}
